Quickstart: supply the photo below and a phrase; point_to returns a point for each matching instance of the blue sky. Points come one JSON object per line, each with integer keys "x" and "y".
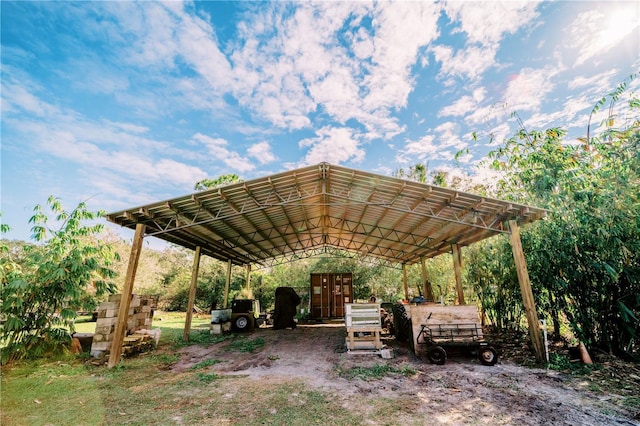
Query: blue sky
{"x": 122, "y": 103}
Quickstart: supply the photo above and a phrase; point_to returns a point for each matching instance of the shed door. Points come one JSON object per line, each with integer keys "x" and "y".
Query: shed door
{"x": 320, "y": 297}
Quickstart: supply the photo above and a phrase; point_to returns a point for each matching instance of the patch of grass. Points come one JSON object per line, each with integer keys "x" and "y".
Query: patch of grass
{"x": 375, "y": 372}
{"x": 165, "y": 359}
{"x": 207, "y": 378}
{"x": 204, "y": 364}
{"x": 285, "y": 404}
{"x": 244, "y": 345}
{"x": 34, "y": 392}
{"x": 201, "y": 338}
{"x": 632, "y": 402}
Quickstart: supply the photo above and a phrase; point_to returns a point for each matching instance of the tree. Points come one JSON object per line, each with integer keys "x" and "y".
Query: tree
{"x": 584, "y": 261}
{"x": 217, "y": 182}
{"x": 45, "y": 283}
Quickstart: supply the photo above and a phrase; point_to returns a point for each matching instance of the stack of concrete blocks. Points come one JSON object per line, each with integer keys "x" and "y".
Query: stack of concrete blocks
{"x": 140, "y": 317}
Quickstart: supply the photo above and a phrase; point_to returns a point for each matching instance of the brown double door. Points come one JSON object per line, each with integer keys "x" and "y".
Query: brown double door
{"x": 329, "y": 293}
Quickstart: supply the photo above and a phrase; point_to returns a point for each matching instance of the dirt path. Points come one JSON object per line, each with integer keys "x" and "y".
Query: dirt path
{"x": 460, "y": 392}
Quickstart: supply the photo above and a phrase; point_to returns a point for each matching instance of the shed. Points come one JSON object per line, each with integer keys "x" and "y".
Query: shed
{"x": 326, "y": 208}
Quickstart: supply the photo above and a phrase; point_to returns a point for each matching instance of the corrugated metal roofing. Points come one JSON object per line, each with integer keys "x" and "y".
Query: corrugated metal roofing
{"x": 324, "y": 208}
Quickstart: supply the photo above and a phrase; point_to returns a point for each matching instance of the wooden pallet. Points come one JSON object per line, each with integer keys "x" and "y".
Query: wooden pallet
{"x": 364, "y": 338}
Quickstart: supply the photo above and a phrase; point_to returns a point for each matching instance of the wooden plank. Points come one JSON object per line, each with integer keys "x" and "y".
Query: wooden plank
{"x": 226, "y": 286}
{"x": 427, "y": 290}
{"x": 457, "y": 269}
{"x": 436, "y": 315}
{"x": 527, "y": 293}
{"x": 192, "y": 294}
{"x": 132, "y": 267}
{"x": 404, "y": 282}
{"x": 248, "y": 278}
{"x": 363, "y": 338}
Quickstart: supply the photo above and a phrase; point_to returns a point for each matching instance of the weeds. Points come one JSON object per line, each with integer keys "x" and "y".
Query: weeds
{"x": 207, "y": 378}
{"x": 562, "y": 363}
{"x": 375, "y": 372}
{"x": 244, "y": 345}
{"x": 204, "y": 364}
{"x": 202, "y": 338}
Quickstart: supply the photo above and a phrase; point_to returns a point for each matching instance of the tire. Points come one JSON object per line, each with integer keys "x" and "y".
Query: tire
{"x": 487, "y": 355}
{"x": 241, "y": 323}
{"x": 437, "y": 355}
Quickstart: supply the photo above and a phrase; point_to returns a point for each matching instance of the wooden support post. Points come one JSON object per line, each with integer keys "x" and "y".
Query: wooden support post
{"x": 192, "y": 294}
{"x": 226, "y": 286}
{"x": 123, "y": 311}
{"x": 248, "y": 280}
{"x": 404, "y": 281}
{"x": 457, "y": 270}
{"x": 427, "y": 290}
{"x": 527, "y": 293}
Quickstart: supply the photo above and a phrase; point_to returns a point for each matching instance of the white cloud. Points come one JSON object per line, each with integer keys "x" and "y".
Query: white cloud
{"x": 449, "y": 136}
{"x": 261, "y": 152}
{"x": 418, "y": 151}
{"x": 598, "y": 83}
{"x": 487, "y": 22}
{"x": 470, "y": 62}
{"x": 333, "y": 145}
{"x": 527, "y": 90}
{"x": 18, "y": 98}
{"x": 464, "y": 105}
{"x": 606, "y": 25}
{"x": 303, "y": 66}
{"x": 106, "y": 147}
{"x": 178, "y": 172}
{"x": 217, "y": 147}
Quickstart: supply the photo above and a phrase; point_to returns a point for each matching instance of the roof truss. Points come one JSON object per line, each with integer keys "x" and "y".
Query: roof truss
{"x": 322, "y": 209}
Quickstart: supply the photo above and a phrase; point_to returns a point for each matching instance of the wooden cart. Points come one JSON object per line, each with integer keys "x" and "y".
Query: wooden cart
{"x": 451, "y": 327}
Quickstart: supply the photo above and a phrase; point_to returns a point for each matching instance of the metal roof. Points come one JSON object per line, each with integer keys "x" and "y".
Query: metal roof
{"x": 324, "y": 208}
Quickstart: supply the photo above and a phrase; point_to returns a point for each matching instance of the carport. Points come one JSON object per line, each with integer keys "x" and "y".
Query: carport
{"x": 323, "y": 209}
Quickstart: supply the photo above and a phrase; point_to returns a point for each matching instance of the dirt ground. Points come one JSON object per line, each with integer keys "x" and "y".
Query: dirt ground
{"x": 460, "y": 392}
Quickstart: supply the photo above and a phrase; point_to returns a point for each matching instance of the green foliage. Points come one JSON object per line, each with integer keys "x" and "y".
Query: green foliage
{"x": 204, "y": 364}
{"x": 207, "y": 378}
{"x": 416, "y": 173}
{"x": 246, "y": 345}
{"x": 216, "y": 183}
{"x": 562, "y": 363}
{"x": 44, "y": 284}
{"x": 202, "y": 338}
{"x": 489, "y": 267}
{"x": 584, "y": 260}
{"x": 375, "y": 372}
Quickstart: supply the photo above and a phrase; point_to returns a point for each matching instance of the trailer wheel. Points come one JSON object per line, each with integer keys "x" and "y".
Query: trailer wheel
{"x": 487, "y": 355}
{"x": 437, "y": 355}
{"x": 241, "y": 323}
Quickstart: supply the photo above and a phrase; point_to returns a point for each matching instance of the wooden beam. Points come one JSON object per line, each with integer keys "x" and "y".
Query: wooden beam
{"x": 123, "y": 311}
{"x": 248, "y": 279}
{"x": 527, "y": 293}
{"x": 404, "y": 281}
{"x": 192, "y": 294}
{"x": 227, "y": 285}
{"x": 427, "y": 290}
{"x": 457, "y": 270}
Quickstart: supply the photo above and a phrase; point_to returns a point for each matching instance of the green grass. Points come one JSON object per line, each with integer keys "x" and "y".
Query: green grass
{"x": 36, "y": 393}
{"x": 246, "y": 345}
{"x": 375, "y": 372}
{"x": 140, "y": 391}
{"x": 143, "y": 391}
{"x": 204, "y": 364}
